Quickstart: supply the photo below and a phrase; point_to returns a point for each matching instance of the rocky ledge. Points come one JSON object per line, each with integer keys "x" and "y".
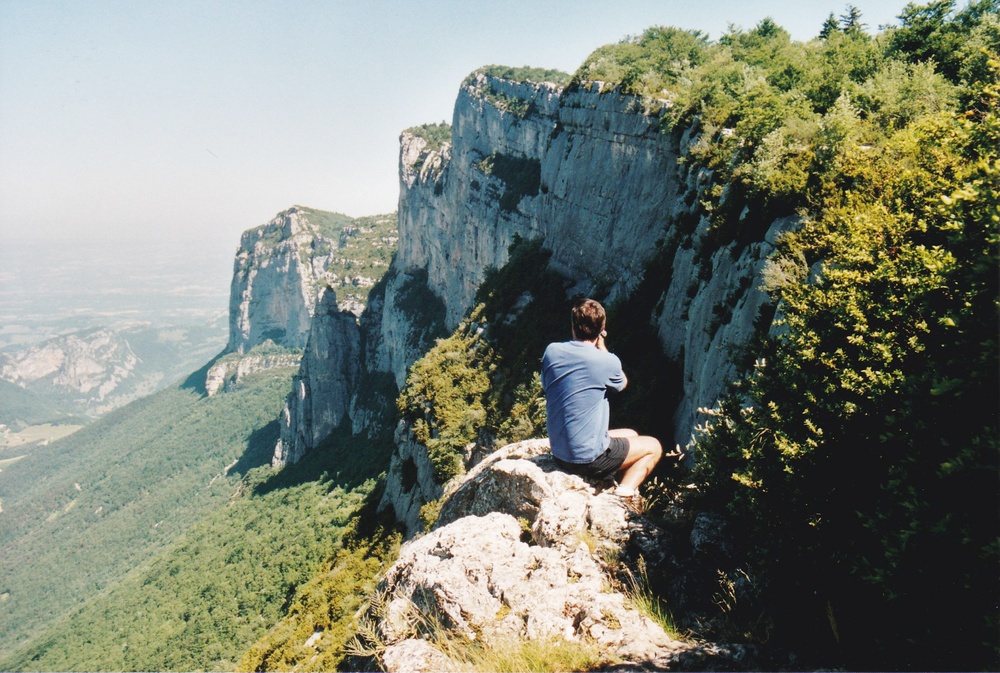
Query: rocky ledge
{"x": 520, "y": 551}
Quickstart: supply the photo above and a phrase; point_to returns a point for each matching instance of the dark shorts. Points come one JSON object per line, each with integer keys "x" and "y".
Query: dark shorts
{"x": 605, "y": 466}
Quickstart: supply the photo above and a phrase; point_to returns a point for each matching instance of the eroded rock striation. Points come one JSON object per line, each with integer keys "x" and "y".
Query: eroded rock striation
{"x": 322, "y": 389}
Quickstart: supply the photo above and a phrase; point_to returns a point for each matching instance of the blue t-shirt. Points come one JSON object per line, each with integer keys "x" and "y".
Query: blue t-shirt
{"x": 576, "y": 376}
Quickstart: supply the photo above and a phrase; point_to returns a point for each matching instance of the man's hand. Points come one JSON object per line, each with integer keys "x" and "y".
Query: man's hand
{"x": 600, "y": 340}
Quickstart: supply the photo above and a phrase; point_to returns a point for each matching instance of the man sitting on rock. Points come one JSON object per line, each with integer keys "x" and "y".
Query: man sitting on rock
{"x": 576, "y": 377}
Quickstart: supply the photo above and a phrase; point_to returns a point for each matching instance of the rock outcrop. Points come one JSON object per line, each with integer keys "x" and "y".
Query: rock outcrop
{"x": 301, "y": 282}
{"x": 229, "y": 372}
{"x": 92, "y": 363}
{"x": 280, "y": 268}
{"x": 322, "y": 389}
{"x": 522, "y": 551}
{"x": 94, "y": 371}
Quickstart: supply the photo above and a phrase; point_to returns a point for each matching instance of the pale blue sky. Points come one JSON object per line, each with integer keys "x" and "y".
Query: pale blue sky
{"x": 196, "y": 120}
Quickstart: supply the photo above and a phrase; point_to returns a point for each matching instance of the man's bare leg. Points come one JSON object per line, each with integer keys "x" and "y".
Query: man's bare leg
{"x": 644, "y": 453}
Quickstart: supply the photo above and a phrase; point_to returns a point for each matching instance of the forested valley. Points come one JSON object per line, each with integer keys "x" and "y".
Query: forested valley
{"x": 856, "y": 459}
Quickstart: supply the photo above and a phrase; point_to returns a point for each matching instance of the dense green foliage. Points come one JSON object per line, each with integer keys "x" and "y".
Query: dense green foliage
{"x": 82, "y": 511}
{"x": 443, "y": 397}
{"x": 329, "y": 603}
{"x": 200, "y": 603}
{"x": 361, "y": 249}
{"x": 885, "y": 378}
{"x": 851, "y": 455}
{"x": 481, "y": 384}
{"x": 526, "y": 74}
{"x": 647, "y": 64}
{"x": 436, "y": 135}
{"x": 20, "y": 408}
{"x": 223, "y": 564}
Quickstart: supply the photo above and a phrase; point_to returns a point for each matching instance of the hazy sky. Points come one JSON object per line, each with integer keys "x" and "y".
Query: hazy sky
{"x": 196, "y": 120}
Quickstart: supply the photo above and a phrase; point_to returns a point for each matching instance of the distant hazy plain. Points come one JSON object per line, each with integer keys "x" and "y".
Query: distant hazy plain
{"x": 50, "y": 288}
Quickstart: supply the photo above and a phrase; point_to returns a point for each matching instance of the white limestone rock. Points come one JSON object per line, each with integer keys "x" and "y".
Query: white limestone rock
{"x": 230, "y": 371}
{"x": 416, "y": 656}
{"x": 277, "y": 276}
{"x": 511, "y": 557}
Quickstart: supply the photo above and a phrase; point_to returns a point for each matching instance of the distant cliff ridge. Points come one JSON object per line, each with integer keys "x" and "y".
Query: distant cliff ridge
{"x": 282, "y": 267}
{"x": 93, "y": 371}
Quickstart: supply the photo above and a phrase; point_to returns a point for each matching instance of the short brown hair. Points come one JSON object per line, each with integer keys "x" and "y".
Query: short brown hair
{"x": 588, "y": 319}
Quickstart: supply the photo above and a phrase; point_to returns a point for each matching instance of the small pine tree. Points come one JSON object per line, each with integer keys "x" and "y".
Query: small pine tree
{"x": 850, "y": 21}
{"x": 830, "y": 26}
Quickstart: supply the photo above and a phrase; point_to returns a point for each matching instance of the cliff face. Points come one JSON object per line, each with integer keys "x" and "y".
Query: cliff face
{"x": 93, "y": 371}
{"x": 322, "y": 389}
{"x": 596, "y": 177}
{"x": 276, "y": 277}
{"x": 589, "y": 173}
{"x": 300, "y": 284}
{"x": 91, "y": 366}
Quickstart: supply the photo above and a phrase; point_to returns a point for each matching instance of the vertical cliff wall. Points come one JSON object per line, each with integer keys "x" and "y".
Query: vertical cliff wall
{"x": 590, "y": 173}
{"x": 278, "y": 272}
{"x": 327, "y": 378}
{"x": 596, "y": 176}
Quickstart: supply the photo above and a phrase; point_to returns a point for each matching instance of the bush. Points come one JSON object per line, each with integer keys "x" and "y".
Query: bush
{"x": 850, "y": 453}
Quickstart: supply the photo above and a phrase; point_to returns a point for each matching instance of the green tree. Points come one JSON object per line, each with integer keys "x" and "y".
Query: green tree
{"x": 830, "y": 26}
{"x": 849, "y": 455}
{"x": 850, "y": 20}
{"x": 934, "y": 32}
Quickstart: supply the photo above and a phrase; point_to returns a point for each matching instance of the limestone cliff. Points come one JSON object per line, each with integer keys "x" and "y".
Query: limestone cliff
{"x": 93, "y": 371}
{"x": 339, "y": 361}
{"x": 595, "y": 176}
{"x": 231, "y": 370}
{"x": 322, "y": 389}
{"x": 276, "y": 277}
{"x": 591, "y": 173}
{"x": 301, "y": 283}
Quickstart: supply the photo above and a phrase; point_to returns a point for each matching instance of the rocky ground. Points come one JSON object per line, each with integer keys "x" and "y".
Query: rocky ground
{"x": 522, "y": 550}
